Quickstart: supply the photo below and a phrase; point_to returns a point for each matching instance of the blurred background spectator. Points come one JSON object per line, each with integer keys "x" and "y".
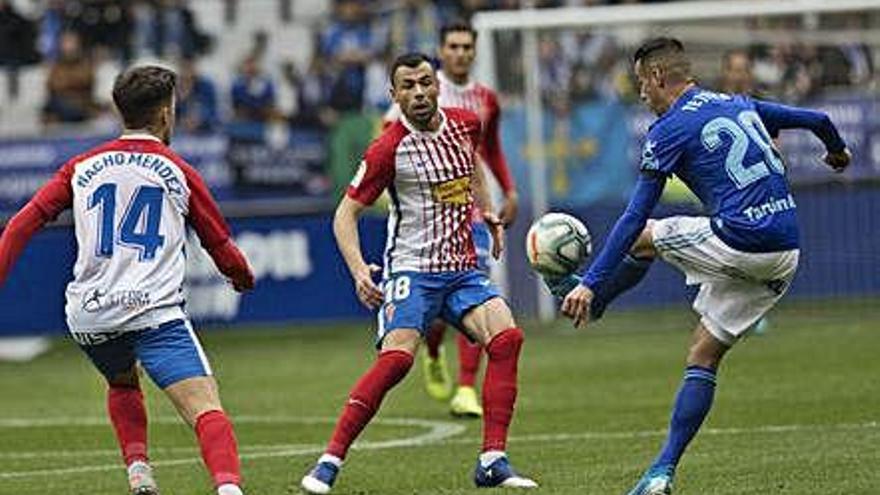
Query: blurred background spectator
{"x": 70, "y": 84}
{"x": 253, "y": 93}
{"x": 17, "y": 44}
{"x": 197, "y": 109}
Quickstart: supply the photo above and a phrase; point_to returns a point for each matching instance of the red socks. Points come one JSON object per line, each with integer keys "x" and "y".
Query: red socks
{"x": 129, "y": 418}
{"x": 365, "y": 398}
{"x": 499, "y": 387}
{"x": 434, "y": 339}
{"x": 468, "y": 360}
{"x": 219, "y": 448}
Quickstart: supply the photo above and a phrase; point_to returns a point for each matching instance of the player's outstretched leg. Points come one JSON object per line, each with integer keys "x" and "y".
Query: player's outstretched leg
{"x": 198, "y": 402}
{"x": 465, "y": 402}
{"x": 493, "y": 323}
{"x": 434, "y": 368}
{"x": 692, "y": 404}
{"x": 392, "y": 364}
{"x": 128, "y": 415}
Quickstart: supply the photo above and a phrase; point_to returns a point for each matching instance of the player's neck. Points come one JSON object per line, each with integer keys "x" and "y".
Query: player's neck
{"x": 431, "y": 125}
{"x": 677, "y": 92}
{"x": 458, "y": 80}
{"x": 141, "y": 132}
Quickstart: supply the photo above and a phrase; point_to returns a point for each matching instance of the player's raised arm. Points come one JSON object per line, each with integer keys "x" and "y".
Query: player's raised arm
{"x": 50, "y": 200}
{"x": 208, "y": 222}
{"x": 779, "y": 117}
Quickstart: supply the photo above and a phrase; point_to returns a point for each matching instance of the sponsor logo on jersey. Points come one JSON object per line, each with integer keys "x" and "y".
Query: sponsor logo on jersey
{"x": 649, "y": 159}
{"x": 100, "y": 300}
{"x": 455, "y": 191}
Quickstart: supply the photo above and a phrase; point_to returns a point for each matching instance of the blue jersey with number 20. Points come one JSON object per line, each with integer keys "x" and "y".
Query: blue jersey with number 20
{"x": 720, "y": 146}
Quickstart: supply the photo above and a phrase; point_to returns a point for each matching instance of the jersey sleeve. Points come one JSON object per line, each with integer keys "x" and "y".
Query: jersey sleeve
{"x": 777, "y": 117}
{"x": 375, "y": 173}
{"x": 49, "y": 201}
{"x": 492, "y": 151}
{"x": 205, "y": 218}
{"x": 627, "y": 229}
{"x": 663, "y": 149}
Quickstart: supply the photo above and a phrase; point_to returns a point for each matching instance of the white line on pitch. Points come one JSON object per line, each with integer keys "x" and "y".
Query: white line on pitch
{"x": 441, "y": 433}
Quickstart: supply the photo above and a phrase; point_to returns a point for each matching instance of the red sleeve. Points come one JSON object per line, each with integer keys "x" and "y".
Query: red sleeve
{"x": 492, "y": 152}
{"x": 50, "y": 200}
{"x": 376, "y": 171}
{"x": 205, "y": 217}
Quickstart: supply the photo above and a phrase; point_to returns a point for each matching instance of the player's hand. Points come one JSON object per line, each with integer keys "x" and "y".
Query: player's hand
{"x": 368, "y": 292}
{"x": 496, "y": 228}
{"x": 507, "y": 214}
{"x": 243, "y": 282}
{"x": 576, "y": 305}
{"x": 839, "y": 161}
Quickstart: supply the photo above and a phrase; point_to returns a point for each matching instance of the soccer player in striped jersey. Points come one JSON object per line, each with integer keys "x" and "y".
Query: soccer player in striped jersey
{"x": 457, "y": 52}
{"x": 132, "y": 198}
{"x": 426, "y": 161}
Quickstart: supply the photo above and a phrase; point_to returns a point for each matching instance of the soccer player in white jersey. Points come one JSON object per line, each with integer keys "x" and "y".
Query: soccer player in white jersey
{"x": 457, "y": 52}
{"x": 132, "y": 198}
{"x": 426, "y": 161}
{"x": 743, "y": 254}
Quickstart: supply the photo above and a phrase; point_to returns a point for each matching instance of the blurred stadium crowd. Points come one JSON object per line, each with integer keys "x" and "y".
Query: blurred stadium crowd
{"x": 59, "y": 58}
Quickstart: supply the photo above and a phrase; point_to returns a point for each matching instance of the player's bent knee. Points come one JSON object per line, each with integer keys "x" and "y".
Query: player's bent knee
{"x": 194, "y": 396}
{"x": 127, "y": 379}
{"x": 644, "y": 245}
{"x": 506, "y": 344}
{"x": 706, "y": 350}
{"x": 401, "y": 339}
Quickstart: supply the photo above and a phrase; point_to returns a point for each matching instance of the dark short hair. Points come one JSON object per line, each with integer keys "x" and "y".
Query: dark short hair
{"x": 140, "y": 92}
{"x": 666, "y": 51}
{"x": 411, "y": 60}
{"x": 655, "y": 46}
{"x": 457, "y": 26}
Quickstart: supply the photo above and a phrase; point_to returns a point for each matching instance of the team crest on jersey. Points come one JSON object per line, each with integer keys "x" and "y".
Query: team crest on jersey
{"x": 455, "y": 191}
{"x": 390, "y": 308}
{"x": 649, "y": 159}
{"x": 359, "y": 175}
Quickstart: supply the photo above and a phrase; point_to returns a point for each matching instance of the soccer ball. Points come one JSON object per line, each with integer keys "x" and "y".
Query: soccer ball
{"x": 558, "y": 244}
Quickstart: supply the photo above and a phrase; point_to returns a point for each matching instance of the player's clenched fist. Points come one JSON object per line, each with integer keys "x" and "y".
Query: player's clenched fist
{"x": 367, "y": 290}
{"x": 839, "y": 160}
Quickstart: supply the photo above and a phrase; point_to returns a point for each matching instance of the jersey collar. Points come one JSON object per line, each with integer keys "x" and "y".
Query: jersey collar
{"x": 413, "y": 130}
{"x": 140, "y": 136}
{"x": 445, "y": 81}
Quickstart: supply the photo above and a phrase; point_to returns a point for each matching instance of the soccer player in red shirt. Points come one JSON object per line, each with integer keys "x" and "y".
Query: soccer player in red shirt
{"x": 132, "y": 199}
{"x": 427, "y": 163}
{"x": 457, "y": 52}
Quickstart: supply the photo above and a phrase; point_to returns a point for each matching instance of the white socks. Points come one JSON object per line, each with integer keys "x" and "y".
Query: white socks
{"x": 490, "y": 456}
{"x": 229, "y": 489}
{"x": 332, "y": 459}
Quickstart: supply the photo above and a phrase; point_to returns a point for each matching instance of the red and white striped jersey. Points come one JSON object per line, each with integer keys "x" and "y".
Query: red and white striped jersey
{"x": 482, "y": 101}
{"x": 428, "y": 177}
{"x": 132, "y": 199}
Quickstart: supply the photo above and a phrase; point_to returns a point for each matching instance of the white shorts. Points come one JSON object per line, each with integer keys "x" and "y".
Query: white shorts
{"x": 736, "y": 288}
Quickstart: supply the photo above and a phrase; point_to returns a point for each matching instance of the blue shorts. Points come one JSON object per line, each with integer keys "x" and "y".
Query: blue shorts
{"x": 169, "y": 353}
{"x": 415, "y": 299}
{"x": 483, "y": 244}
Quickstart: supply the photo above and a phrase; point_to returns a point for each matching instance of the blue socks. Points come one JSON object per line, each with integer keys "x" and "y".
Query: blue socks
{"x": 628, "y": 273}
{"x": 692, "y": 404}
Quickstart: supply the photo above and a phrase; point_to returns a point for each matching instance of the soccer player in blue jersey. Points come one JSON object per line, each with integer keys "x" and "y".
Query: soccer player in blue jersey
{"x": 743, "y": 253}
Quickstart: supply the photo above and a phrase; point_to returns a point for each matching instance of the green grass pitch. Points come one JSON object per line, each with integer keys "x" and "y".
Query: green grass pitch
{"x": 797, "y": 412}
